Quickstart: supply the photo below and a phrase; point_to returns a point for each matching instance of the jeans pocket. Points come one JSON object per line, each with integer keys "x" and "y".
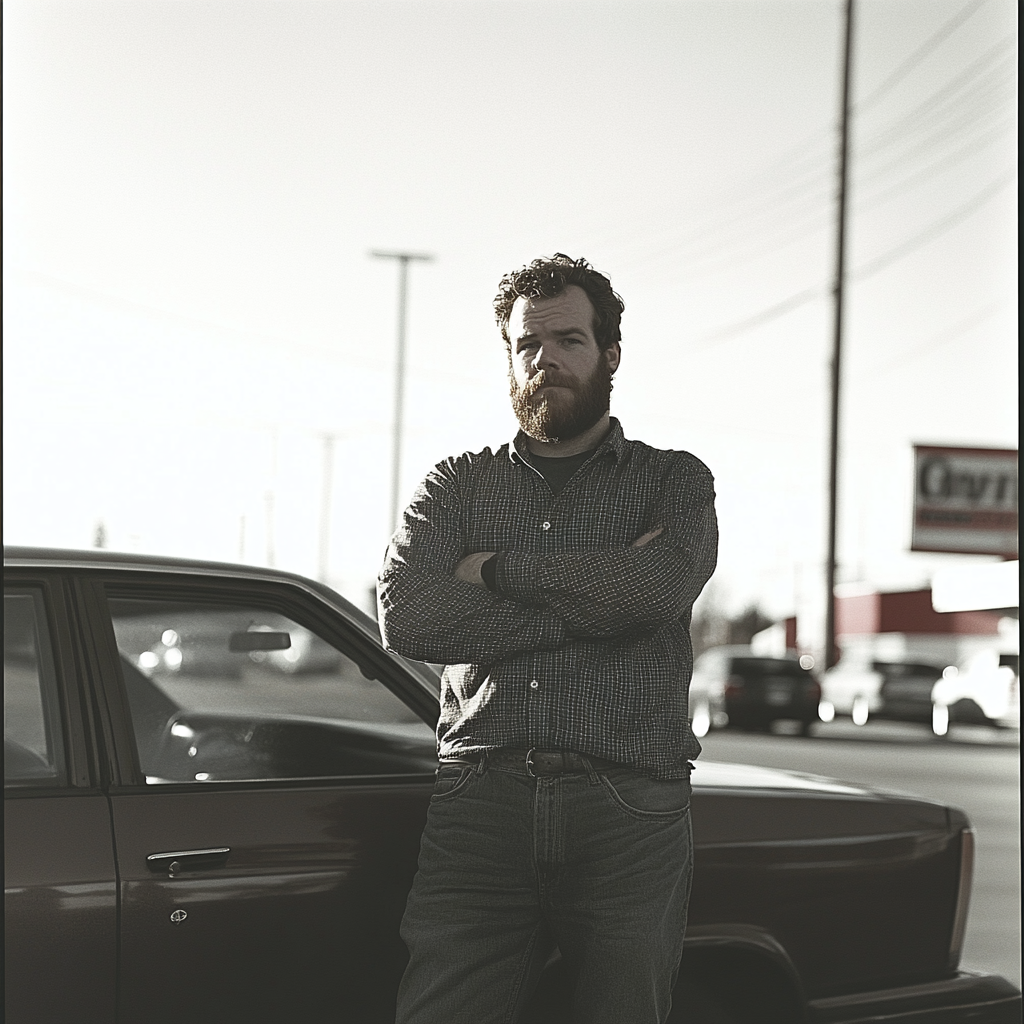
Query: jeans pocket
{"x": 644, "y": 797}
{"x": 450, "y": 781}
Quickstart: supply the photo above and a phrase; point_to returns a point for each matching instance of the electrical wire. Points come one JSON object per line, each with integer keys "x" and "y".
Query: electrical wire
{"x": 901, "y": 72}
{"x": 931, "y": 232}
{"x": 802, "y": 211}
{"x": 938, "y": 142}
{"x": 799, "y": 156}
{"x": 861, "y": 204}
{"x": 936, "y": 228}
{"x": 909, "y": 121}
{"x": 958, "y": 330}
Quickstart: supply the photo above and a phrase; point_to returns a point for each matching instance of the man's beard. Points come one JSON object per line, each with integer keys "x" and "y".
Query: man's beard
{"x": 557, "y": 416}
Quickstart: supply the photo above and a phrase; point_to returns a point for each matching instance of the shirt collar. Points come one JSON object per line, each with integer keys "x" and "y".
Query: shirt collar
{"x": 614, "y": 442}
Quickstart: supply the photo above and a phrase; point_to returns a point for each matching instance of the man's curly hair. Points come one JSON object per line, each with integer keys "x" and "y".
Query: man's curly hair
{"x": 550, "y": 277}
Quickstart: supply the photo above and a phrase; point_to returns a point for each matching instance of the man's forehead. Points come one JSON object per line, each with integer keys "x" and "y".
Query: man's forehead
{"x": 569, "y": 309}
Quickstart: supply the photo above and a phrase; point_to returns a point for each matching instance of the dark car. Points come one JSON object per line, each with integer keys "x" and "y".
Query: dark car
{"x": 906, "y": 690}
{"x": 216, "y": 838}
{"x": 734, "y": 686}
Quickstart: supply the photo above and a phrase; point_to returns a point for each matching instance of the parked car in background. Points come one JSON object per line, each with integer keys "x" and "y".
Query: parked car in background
{"x": 895, "y": 690}
{"x": 217, "y": 838}
{"x": 985, "y": 692}
{"x": 733, "y": 686}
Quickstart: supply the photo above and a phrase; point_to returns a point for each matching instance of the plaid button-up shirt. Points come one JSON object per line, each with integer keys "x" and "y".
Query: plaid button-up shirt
{"x": 587, "y": 645}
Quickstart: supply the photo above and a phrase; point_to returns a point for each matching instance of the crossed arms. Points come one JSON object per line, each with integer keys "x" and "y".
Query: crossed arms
{"x": 434, "y": 607}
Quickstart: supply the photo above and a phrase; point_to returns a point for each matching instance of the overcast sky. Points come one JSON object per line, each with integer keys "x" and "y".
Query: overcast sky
{"x": 191, "y": 191}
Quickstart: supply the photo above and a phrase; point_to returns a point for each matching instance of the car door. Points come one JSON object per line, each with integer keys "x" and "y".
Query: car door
{"x": 60, "y": 914}
{"x": 274, "y": 784}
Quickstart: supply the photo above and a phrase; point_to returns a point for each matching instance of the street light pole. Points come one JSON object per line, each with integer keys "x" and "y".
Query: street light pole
{"x": 404, "y": 259}
{"x": 325, "y": 506}
{"x": 831, "y": 652}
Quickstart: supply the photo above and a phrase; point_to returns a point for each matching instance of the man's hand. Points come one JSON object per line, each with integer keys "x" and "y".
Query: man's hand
{"x": 468, "y": 570}
{"x": 641, "y": 541}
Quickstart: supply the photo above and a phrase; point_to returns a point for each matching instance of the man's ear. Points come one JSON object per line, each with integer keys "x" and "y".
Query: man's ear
{"x": 613, "y": 354}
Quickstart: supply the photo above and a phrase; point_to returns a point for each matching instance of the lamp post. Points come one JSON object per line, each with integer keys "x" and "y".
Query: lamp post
{"x": 404, "y": 259}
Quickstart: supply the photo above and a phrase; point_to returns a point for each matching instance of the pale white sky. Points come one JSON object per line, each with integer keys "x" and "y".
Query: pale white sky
{"x": 192, "y": 188}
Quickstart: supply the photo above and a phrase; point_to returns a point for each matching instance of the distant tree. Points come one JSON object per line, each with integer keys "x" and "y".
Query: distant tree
{"x": 99, "y": 537}
{"x": 750, "y": 621}
{"x": 709, "y": 626}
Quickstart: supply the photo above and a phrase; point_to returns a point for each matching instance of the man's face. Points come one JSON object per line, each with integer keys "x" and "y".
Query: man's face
{"x": 559, "y": 379}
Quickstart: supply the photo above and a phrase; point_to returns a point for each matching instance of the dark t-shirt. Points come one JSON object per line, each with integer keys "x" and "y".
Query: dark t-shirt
{"x": 558, "y": 472}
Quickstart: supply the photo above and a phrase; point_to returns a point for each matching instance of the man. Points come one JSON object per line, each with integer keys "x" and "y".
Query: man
{"x": 555, "y": 579}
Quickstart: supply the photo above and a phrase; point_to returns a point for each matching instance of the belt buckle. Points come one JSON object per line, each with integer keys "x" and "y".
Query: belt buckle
{"x": 530, "y": 762}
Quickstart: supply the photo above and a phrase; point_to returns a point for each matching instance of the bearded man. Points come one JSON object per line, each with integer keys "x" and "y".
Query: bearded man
{"x": 554, "y": 578}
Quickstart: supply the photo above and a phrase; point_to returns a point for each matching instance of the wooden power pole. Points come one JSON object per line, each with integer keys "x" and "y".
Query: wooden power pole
{"x": 831, "y": 651}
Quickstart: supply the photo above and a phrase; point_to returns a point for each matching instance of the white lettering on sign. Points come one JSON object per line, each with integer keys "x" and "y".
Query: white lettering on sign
{"x": 965, "y": 500}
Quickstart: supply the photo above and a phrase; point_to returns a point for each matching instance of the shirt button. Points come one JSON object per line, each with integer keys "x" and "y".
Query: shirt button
{"x": 534, "y": 684}
{"x": 545, "y": 525}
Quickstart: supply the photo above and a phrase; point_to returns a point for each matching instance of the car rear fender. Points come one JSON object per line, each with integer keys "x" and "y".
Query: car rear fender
{"x": 747, "y": 968}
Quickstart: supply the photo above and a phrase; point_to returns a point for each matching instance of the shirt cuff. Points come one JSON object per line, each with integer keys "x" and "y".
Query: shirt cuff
{"x": 518, "y": 576}
{"x": 487, "y": 571}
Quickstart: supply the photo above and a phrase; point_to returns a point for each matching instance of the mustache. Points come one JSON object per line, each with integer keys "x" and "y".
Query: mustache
{"x": 544, "y": 377}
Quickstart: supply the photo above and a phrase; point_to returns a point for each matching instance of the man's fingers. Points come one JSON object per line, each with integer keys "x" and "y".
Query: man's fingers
{"x": 641, "y": 541}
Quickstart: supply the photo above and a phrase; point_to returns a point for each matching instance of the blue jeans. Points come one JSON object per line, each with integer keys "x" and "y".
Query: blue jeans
{"x": 598, "y": 862}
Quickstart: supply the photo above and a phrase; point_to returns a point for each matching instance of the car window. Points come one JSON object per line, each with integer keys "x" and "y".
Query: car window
{"x": 901, "y": 670}
{"x": 228, "y": 692}
{"x": 767, "y": 667}
{"x": 33, "y": 739}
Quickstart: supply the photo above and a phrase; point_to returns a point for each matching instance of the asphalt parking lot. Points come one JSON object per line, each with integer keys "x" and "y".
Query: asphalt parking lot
{"x": 974, "y": 768}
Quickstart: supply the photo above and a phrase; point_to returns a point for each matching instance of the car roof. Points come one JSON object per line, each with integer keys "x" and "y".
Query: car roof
{"x": 128, "y": 561}
{"x": 24, "y": 555}
{"x": 125, "y": 561}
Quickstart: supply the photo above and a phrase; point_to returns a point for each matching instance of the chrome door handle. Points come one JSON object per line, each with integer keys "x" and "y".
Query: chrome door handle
{"x": 177, "y": 860}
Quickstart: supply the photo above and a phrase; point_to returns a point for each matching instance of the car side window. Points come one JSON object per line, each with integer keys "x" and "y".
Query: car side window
{"x": 229, "y": 692}
{"x": 33, "y": 737}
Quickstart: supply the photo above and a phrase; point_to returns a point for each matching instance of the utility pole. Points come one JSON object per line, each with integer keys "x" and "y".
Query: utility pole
{"x": 325, "y": 506}
{"x": 831, "y": 652}
{"x": 404, "y": 259}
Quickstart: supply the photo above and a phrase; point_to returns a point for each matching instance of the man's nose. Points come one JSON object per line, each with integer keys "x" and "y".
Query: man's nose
{"x": 544, "y": 358}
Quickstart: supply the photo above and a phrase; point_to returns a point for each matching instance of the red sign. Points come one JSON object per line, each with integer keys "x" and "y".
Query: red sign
{"x": 965, "y": 500}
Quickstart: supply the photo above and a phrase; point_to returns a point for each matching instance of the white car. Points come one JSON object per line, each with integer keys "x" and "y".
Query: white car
{"x": 986, "y": 691}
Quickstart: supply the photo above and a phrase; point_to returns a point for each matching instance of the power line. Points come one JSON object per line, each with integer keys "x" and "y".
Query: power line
{"x": 904, "y": 69}
{"x": 942, "y": 138}
{"x": 740, "y": 248}
{"x": 971, "y": 148}
{"x": 942, "y": 338}
{"x": 936, "y": 228}
{"x": 912, "y": 119}
{"x": 768, "y": 212}
{"x": 767, "y": 315}
{"x": 801, "y": 298}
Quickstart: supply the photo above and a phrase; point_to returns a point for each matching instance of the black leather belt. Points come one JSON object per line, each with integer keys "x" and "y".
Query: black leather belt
{"x": 537, "y": 762}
